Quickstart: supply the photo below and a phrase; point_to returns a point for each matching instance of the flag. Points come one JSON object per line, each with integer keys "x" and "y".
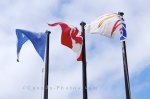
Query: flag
{"x": 123, "y": 33}
{"x": 38, "y": 40}
{"x": 108, "y": 25}
{"x": 71, "y": 37}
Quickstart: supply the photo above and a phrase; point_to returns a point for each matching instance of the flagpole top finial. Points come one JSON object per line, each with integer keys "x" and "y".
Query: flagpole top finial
{"x": 82, "y": 23}
{"x": 48, "y": 32}
{"x": 120, "y": 13}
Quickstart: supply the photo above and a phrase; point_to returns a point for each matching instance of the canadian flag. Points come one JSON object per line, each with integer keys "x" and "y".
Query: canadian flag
{"x": 71, "y": 37}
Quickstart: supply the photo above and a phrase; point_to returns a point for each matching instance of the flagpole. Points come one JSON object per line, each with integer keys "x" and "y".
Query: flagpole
{"x": 46, "y": 66}
{"x": 125, "y": 65}
{"x": 84, "y": 76}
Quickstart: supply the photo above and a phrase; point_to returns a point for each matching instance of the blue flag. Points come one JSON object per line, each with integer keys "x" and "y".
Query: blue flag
{"x": 38, "y": 40}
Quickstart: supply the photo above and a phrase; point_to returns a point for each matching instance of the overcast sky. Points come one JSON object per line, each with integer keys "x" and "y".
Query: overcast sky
{"x": 105, "y": 77}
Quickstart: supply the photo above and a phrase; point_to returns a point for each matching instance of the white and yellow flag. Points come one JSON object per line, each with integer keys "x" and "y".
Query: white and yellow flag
{"x": 107, "y": 25}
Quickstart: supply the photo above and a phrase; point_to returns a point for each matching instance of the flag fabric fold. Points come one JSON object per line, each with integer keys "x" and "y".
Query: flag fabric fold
{"x": 123, "y": 32}
{"x": 71, "y": 37}
{"x": 108, "y": 25}
{"x": 38, "y": 40}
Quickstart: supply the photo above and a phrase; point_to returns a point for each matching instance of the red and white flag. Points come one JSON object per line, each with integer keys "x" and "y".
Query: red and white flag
{"x": 71, "y": 37}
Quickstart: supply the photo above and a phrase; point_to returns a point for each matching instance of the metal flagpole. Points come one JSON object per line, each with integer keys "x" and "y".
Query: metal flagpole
{"x": 46, "y": 66}
{"x": 84, "y": 76}
{"x": 125, "y": 65}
